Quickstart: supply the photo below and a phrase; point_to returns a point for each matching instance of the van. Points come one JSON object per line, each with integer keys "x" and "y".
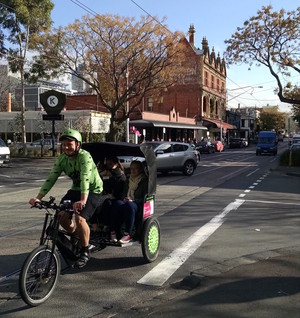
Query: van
{"x": 4, "y": 153}
{"x": 267, "y": 143}
{"x": 296, "y": 139}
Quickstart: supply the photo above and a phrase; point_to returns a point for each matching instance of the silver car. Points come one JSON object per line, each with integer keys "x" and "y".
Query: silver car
{"x": 175, "y": 156}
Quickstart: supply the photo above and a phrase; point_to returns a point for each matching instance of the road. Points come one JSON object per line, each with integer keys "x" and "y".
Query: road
{"x": 233, "y": 206}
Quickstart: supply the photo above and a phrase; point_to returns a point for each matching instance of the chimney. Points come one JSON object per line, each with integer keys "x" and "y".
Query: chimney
{"x": 204, "y": 44}
{"x": 192, "y": 35}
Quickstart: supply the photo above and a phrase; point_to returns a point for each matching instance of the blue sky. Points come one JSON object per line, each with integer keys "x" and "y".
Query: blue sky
{"x": 216, "y": 20}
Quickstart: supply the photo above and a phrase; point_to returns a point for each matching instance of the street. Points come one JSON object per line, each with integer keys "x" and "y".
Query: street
{"x": 235, "y": 204}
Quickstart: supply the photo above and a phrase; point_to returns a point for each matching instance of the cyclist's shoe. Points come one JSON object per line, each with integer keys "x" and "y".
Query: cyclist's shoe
{"x": 125, "y": 239}
{"x": 83, "y": 258}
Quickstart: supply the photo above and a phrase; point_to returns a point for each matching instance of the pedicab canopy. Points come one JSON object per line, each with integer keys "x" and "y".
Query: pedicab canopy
{"x": 143, "y": 152}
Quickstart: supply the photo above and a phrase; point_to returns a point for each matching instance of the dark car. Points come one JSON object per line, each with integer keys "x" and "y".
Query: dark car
{"x": 237, "y": 143}
{"x": 205, "y": 147}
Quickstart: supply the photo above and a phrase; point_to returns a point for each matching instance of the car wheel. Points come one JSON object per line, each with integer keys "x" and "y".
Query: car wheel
{"x": 188, "y": 168}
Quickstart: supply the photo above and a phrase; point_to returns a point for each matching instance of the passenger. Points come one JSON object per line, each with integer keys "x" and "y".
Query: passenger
{"x": 125, "y": 210}
{"x": 113, "y": 184}
{"x": 85, "y": 193}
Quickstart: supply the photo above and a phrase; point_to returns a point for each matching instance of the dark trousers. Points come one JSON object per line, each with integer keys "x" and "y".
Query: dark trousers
{"x": 124, "y": 212}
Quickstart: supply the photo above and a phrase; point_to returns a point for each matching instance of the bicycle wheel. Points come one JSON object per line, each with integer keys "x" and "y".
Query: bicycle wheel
{"x": 150, "y": 239}
{"x": 38, "y": 278}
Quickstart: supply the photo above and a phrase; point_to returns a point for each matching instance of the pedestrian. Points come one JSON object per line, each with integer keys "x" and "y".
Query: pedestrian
{"x": 84, "y": 194}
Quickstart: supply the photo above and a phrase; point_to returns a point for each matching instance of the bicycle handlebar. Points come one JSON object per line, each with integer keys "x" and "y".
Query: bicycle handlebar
{"x": 64, "y": 206}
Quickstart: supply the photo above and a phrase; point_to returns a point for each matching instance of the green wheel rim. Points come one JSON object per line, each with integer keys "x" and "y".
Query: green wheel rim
{"x": 153, "y": 239}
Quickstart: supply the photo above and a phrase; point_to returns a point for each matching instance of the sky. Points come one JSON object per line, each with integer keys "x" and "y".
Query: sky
{"x": 216, "y": 20}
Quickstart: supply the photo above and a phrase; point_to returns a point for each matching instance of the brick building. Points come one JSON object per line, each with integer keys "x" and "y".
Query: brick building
{"x": 193, "y": 108}
{"x": 199, "y": 99}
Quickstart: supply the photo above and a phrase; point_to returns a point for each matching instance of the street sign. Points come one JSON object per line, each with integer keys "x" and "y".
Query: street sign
{"x": 53, "y": 117}
{"x": 53, "y": 102}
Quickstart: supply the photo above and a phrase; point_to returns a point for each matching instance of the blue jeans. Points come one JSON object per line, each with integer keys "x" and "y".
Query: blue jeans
{"x": 124, "y": 212}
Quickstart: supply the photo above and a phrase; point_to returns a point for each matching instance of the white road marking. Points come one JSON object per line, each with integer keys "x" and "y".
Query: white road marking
{"x": 167, "y": 267}
{"x": 249, "y": 174}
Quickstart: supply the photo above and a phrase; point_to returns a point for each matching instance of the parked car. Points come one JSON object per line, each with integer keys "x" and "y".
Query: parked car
{"x": 219, "y": 146}
{"x": 4, "y": 152}
{"x": 295, "y": 147}
{"x": 175, "y": 156}
{"x": 205, "y": 147}
{"x": 237, "y": 143}
{"x": 170, "y": 156}
{"x": 46, "y": 143}
{"x": 245, "y": 142}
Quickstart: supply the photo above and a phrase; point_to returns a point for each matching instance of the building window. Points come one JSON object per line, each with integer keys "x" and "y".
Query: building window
{"x": 212, "y": 82}
{"x": 243, "y": 122}
{"x": 223, "y": 88}
{"x": 206, "y": 78}
{"x": 218, "y": 85}
{"x": 150, "y": 104}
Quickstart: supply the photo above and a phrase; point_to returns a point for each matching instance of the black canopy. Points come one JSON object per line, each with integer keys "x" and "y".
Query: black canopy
{"x": 101, "y": 150}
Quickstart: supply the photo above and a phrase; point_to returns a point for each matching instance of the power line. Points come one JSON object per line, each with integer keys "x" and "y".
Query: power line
{"x": 84, "y": 7}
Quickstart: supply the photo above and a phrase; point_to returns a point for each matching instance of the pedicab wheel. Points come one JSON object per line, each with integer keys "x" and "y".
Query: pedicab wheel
{"x": 39, "y": 275}
{"x": 150, "y": 239}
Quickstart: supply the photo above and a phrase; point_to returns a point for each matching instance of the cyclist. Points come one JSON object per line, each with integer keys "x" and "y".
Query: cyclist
{"x": 85, "y": 193}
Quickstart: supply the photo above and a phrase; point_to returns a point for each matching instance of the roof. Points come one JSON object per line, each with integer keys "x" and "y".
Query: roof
{"x": 218, "y": 123}
{"x": 147, "y": 123}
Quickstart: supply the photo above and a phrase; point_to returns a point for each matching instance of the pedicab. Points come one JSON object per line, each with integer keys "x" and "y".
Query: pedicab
{"x": 41, "y": 269}
{"x": 147, "y": 229}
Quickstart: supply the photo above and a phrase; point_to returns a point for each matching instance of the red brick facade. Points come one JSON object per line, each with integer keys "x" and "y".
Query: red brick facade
{"x": 201, "y": 94}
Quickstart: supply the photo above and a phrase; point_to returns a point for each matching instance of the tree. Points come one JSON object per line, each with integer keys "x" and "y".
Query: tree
{"x": 271, "y": 39}
{"x": 294, "y": 92}
{"x": 120, "y": 59}
{"x": 24, "y": 22}
{"x": 271, "y": 119}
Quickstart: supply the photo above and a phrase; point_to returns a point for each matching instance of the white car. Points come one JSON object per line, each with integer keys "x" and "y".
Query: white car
{"x": 4, "y": 153}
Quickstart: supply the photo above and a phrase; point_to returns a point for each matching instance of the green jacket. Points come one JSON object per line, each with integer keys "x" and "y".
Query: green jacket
{"x": 80, "y": 168}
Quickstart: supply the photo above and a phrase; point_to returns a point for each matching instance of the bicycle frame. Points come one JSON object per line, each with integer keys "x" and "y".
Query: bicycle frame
{"x": 51, "y": 232}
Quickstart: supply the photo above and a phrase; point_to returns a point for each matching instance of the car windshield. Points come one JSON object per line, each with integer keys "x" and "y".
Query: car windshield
{"x": 2, "y": 143}
{"x": 266, "y": 140}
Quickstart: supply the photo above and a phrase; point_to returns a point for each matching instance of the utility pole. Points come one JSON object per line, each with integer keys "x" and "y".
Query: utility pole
{"x": 127, "y": 106}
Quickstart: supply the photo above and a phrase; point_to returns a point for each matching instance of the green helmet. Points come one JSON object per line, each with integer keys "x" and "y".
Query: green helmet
{"x": 71, "y": 134}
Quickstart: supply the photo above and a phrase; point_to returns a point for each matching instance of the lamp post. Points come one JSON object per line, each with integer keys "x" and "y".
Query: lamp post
{"x": 127, "y": 106}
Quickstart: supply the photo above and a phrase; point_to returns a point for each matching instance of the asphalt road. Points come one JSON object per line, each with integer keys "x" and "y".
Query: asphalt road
{"x": 233, "y": 206}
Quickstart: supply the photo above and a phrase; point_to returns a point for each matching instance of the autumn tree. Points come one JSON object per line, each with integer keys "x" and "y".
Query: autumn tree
{"x": 271, "y": 119}
{"x": 271, "y": 39}
{"x": 22, "y": 22}
{"x": 120, "y": 59}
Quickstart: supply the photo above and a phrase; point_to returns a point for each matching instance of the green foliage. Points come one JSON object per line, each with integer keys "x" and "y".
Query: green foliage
{"x": 295, "y": 158}
{"x": 271, "y": 119}
{"x": 270, "y": 39}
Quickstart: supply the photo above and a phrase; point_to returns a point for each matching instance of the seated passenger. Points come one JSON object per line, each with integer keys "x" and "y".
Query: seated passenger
{"x": 113, "y": 183}
{"x": 135, "y": 190}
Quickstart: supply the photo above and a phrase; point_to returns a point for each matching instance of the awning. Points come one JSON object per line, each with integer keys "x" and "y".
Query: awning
{"x": 141, "y": 123}
{"x": 217, "y": 123}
